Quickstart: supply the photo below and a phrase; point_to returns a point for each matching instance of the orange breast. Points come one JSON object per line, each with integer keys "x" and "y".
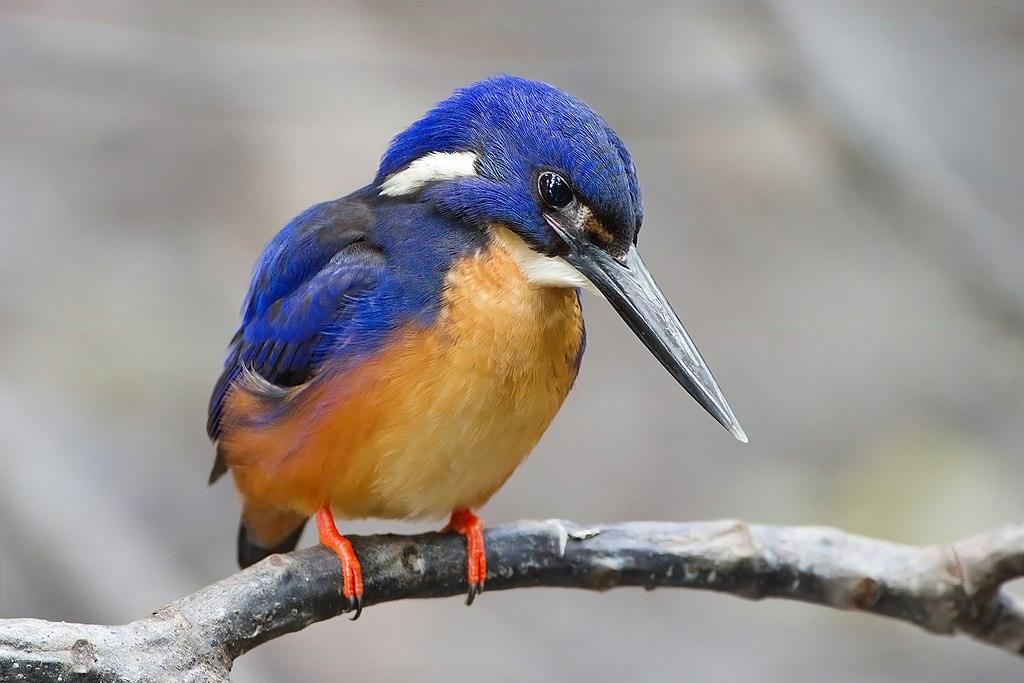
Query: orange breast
{"x": 439, "y": 418}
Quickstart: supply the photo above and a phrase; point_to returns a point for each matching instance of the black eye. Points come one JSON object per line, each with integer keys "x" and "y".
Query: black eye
{"x": 554, "y": 190}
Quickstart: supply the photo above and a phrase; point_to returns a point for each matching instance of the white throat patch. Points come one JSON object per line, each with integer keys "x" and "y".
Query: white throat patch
{"x": 541, "y": 270}
{"x": 428, "y": 168}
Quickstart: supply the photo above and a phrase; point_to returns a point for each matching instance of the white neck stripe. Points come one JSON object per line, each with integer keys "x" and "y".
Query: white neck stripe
{"x": 428, "y": 168}
{"x": 541, "y": 270}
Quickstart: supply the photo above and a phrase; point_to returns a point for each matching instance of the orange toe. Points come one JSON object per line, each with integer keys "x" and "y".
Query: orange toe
{"x": 472, "y": 527}
{"x": 352, "y": 573}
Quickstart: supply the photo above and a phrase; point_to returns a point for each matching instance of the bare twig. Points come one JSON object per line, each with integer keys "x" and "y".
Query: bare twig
{"x": 944, "y": 589}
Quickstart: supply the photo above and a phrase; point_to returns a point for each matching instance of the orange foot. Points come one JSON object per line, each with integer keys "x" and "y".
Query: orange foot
{"x": 352, "y": 585}
{"x": 472, "y": 527}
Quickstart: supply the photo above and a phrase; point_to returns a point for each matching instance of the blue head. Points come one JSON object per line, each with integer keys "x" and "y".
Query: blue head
{"x": 532, "y": 159}
{"x": 508, "y": 132}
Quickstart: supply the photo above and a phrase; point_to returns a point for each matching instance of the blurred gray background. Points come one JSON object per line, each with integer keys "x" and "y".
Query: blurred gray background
{"x": 834, "y": 198}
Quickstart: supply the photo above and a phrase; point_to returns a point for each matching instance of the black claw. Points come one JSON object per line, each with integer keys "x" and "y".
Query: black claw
{"x": 475, "y": 589}
{"x": 355, "y": 603}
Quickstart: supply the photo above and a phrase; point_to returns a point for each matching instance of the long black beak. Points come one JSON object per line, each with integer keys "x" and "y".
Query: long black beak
{"x": 629, "y": 287}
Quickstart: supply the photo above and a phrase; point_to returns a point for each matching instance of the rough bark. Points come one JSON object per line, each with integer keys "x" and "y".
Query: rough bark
{"x": 944, "y": 589}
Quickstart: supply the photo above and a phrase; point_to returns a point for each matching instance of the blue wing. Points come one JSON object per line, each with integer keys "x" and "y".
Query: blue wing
{"x": 310, "y": 279}
{"x": 334, "y": 283}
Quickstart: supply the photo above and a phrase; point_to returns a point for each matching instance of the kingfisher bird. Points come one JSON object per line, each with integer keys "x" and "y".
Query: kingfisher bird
{"x": 403, "y": 348}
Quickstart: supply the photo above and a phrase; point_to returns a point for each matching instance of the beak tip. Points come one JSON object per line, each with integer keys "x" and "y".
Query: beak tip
{"x": 738, "y": 432}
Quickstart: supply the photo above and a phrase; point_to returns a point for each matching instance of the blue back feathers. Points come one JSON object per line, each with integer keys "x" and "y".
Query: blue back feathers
{"x": 334, "y": 282}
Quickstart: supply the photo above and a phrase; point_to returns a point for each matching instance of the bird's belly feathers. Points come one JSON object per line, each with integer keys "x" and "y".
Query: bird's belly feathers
{"x": 438, "y": 418}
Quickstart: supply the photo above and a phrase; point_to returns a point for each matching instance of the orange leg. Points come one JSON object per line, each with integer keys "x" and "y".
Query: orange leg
{"x": 352, "y": 585}
{"x": 472, "y": 527}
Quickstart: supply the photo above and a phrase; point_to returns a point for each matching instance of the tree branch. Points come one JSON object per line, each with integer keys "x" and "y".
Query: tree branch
{"x": 944, "y": 589}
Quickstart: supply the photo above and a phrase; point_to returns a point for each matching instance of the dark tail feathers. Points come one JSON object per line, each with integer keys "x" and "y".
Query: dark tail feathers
{"x": 250, "y": 553}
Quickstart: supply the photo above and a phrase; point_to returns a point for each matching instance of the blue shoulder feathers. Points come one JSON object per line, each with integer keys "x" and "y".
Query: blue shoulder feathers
{"x": 334, "y": 282}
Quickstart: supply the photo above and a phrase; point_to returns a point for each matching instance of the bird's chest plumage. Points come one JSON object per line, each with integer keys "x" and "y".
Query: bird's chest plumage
{"x": 474, "y": 393}
{"x": 439, "y": 417}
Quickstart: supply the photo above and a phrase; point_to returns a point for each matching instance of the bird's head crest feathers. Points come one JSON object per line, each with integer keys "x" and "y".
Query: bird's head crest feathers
{"x": 491, "y": 140}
